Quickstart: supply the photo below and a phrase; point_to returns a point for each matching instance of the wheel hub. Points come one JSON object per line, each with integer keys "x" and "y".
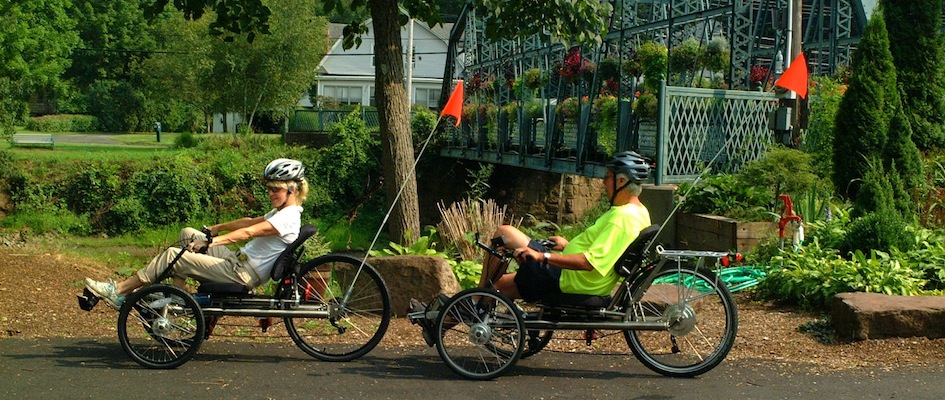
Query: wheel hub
{"x": 162, "y": 326}
{"x": 682, "y": 319}
{"x": 480, "y": 334}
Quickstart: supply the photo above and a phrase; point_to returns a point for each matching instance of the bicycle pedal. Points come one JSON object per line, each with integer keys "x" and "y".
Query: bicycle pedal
{"x": 87, "y": 300}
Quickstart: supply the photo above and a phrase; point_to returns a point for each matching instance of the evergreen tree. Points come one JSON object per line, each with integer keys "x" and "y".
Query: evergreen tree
{"x": 863, "y": 117}
{"x": 918, "y": 50}
{"x": 902, "y": 159}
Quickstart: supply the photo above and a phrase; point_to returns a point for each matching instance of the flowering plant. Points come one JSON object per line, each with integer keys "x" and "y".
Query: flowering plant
{"x": 758, "y": 74}
{"x": 575, "y": 66}
{"x": 480, "y": 81}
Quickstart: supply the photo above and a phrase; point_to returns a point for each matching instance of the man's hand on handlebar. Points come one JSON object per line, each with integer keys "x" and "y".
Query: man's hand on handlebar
{"x": 559, "y": 243}
{"x": 526, "y": 253}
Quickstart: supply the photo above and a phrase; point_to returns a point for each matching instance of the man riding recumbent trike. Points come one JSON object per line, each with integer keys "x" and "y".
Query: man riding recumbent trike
{"x": 676, "y": 316}
{"x": 334, "y": 307}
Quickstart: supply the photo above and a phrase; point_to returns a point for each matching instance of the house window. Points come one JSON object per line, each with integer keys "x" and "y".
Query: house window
{"x": 343, "y": 94}
{"x": 427, "y": 97}
{"x": 373, "y": 101}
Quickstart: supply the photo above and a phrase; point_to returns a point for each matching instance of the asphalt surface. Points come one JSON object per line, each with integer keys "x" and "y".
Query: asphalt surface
{"x": 99, "y": 369}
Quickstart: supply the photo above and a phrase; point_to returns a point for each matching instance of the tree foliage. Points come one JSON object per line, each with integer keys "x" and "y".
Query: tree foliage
{"x": 862, "y": 123}
{"x": 872, "y": 132}
{"x": 918, "y": 50}
{"x": 36, "y": 38}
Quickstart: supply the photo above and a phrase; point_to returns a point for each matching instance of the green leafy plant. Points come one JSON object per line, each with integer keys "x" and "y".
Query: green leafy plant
{"x": 811, "y": 277}
{"x": 728, "y": 196}
{"x": 467, "y": 273}
{"x": 424, "y": 246}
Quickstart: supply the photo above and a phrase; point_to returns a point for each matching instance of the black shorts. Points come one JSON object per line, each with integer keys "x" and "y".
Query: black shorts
{"x": 537, "y": 280}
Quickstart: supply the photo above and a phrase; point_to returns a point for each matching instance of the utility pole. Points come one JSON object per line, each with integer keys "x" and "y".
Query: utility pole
{"x": 797, "y": 47}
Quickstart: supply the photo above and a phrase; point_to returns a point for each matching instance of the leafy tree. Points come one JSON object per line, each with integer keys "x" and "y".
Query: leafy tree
{"x": 115, "y": 38}
{"x": 918, "y": 50}
{"x": 182, "y": 73}
{"x": 271, "y": 72}
{"x": 35, "y": 40}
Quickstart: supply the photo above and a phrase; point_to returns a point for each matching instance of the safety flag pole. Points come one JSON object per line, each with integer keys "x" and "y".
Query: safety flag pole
{"x": 454, "y": 108}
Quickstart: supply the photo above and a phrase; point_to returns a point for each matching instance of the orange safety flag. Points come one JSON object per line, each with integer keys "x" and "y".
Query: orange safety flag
{"x": 795, "y": 78}
{"x": 454, "y": 106}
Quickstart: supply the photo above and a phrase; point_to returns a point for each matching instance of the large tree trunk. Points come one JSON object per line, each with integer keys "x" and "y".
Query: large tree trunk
{"x": 394, "y": 113}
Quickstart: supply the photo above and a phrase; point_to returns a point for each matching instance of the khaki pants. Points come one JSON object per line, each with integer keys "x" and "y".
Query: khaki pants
{"x": 219, "y": 265}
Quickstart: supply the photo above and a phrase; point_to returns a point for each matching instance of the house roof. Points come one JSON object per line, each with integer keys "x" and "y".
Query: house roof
{"x": 430, "y": 44}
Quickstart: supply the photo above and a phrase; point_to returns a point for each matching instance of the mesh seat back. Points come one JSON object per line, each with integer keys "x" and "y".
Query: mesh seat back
{"x": 636, "y": 252}
{"x": 281, "y": 268}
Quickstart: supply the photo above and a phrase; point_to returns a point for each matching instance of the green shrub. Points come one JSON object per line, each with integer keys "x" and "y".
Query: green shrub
{"x": 880, "y": 231}
{"x": 170, "y": 194}
{"x": 91, "y": 188}
{"x": 186, "y": 140}
{"x": 467, "y": 273}
{"x": 728, "y": 196}
{"x": 422, "y": 122}
{"x": 812, "y": 277}
{"x": 127, "y": 215}
{"x": 653, "y": 59}
{"x": 63, "y": 123}
{"x": 928, "y": 255}
{"x": 780, "y": 170}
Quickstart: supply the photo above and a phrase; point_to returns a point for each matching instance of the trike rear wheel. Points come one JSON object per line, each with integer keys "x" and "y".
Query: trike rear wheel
{"x": 356, "y": 303}
{"x": 702, "y": 321}
{"x": 160, "y": 326}
{"x": 480, "y": 334}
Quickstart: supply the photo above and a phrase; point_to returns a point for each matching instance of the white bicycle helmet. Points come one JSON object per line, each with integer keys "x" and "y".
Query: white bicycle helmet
{"x": 284, "y": 169}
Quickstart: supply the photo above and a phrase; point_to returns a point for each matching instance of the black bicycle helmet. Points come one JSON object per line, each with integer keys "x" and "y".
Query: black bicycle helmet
{"x": 284, "y": 169}
{"x": 631, "y": 164}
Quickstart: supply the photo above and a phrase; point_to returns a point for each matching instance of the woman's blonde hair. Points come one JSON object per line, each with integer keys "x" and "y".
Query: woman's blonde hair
{"x": 298, "y": 188}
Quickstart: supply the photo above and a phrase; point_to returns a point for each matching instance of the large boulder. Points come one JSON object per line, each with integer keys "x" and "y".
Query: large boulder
{"x": 419, "y": 277}
{"x": 861, "y": 316}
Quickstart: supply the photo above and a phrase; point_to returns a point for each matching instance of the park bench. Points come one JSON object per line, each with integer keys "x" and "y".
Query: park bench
{"x": 32, "y": 140}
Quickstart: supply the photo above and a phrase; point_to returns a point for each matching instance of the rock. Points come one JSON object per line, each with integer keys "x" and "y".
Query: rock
{"x": 861, "y": 316}
{"x": 419, "y": 277}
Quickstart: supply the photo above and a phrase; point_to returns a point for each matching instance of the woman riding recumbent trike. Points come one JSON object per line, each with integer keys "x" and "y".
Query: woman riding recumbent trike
{"x": 334, "y": 307}
{"x": 677, "y": 317}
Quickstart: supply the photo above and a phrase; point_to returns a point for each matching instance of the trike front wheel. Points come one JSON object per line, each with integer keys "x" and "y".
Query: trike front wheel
{"x": 160, "y": 326}
{"x": 702, "y": 322}
{"x": 480, "y": 334}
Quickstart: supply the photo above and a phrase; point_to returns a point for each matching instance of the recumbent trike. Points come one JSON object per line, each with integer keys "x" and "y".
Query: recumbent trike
{"x": 675, "y": 314}
{"x": 334, "y": 307}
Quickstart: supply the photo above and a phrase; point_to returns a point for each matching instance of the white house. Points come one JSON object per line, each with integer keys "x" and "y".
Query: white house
{"x": 348, "y": 75}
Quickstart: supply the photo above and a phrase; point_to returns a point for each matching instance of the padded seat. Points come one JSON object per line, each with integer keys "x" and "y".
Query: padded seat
{"x": 578, "y": 300}
{"x": 222, "y": 288}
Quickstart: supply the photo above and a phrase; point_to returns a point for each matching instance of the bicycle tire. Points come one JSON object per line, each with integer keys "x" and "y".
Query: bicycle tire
{"x": 161, "y": 326}
{"x": 351, "y": 329}
{"x": 701, "y": 312}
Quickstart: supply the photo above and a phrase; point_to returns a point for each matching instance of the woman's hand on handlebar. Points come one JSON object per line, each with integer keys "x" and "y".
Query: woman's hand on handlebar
{"x": 199, "y": 246}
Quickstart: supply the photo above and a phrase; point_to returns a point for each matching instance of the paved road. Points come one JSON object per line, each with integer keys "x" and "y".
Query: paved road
{"x": 97, "y": 368}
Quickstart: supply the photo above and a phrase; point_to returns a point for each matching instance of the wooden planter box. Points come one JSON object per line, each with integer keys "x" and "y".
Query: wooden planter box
{"x": 716, "y": 233}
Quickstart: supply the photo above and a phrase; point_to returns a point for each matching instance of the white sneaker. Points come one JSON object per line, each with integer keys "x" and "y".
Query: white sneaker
{"x": 106, "y": 291}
